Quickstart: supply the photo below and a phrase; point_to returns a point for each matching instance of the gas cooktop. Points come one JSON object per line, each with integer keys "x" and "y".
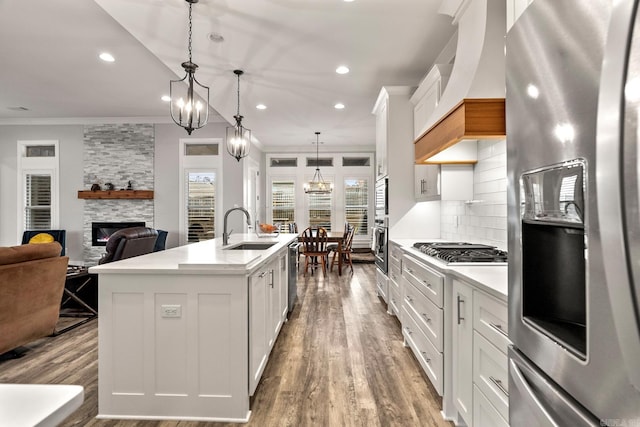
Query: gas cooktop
{"x": 462, "y": 253}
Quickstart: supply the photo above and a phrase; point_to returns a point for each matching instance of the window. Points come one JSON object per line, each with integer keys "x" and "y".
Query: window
{"x": 282, "y": 162}
{"x": 37, "y": 210}
{"x": 320, "y": 208}
{"x": 356, "y": 204}
{"x": 356, "y": 161}
{"x": 319, "y": 162}
{"x": 38, "y": 165}
{"x": 201, "y": 206}
{"x": 200, "y": 189}
{"x": 283, "y": 203}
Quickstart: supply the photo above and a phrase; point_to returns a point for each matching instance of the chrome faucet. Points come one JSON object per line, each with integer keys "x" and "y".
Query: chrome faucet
{"x": 225, "y": 235}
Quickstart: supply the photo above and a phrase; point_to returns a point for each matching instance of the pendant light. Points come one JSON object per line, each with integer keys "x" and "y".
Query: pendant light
{"x": 186, "y": 110}
{"x": 238, "y": 136}
{"x": 317, "y": 185}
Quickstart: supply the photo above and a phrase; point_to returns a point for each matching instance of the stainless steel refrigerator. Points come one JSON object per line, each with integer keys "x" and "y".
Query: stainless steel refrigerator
{"x": 573, "y": 94}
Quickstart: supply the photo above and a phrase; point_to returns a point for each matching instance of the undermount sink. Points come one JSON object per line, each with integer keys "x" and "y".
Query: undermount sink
{"x": 249, "y": 246}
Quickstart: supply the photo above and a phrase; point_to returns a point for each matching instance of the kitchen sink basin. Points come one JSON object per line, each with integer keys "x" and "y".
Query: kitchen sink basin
{"x": 251, "y": 246}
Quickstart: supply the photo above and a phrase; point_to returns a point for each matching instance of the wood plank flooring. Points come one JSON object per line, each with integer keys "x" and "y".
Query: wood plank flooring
{"x": 339, "y": 361}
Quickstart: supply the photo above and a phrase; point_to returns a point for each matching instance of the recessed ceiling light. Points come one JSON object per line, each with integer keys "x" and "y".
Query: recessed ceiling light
{"x": 107, "y": 57}
{"x": 261, "y": 107}
{"x": 339, "y": 106}
{"x": 348, "y": 1}
{"x": 343, "y": 69}
{"x": 166, "y": 98}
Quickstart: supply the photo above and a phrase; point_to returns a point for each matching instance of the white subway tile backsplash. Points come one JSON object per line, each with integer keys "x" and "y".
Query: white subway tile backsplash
{"x": 486, "y": 220}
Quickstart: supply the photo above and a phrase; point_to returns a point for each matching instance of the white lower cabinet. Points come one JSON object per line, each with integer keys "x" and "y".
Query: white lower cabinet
{"x": 484, "y": 413}
{"x": 462, "y": 356}
{"x": 267, "y": 311}
{"x": 395, "y": 277}
{"x": 258, "y": 344}
{"x": 422, "y": 317}
{"x": 427, "y": 354}
{"x": 382, "y": 285}
{"x": 480, "y": 363}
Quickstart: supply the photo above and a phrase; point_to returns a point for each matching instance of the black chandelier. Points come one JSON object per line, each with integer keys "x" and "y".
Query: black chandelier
{"x": 186, "y": 110}
{"x": 238, "y": 136}
{"x": 317, "y": 185}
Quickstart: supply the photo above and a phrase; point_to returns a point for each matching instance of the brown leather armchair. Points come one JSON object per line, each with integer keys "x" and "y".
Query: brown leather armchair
{"x": 32, "y": 279}
{"x": 129, "y": 242}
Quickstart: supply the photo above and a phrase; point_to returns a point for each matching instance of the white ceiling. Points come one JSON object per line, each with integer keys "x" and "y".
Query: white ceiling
{"x": 289, "y": 50}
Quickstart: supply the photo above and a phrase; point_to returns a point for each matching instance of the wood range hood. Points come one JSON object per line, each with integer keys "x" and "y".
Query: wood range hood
{"x": 471, "y": 118}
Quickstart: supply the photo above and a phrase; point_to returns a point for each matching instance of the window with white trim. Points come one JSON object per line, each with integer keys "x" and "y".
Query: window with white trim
{"x": 356, "y": 204}
{"x": 38, "y": 193}
{"x": 200, "y": 189}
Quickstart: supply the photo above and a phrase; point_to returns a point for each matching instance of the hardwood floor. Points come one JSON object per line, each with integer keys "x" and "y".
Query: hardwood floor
{"x": 339, "y": 361}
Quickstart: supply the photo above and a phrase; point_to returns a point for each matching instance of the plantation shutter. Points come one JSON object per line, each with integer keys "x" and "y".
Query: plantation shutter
{"x": 38, "y": 202}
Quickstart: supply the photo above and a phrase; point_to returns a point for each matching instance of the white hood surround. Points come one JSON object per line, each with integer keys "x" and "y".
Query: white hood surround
{"x": 478, "y": 70}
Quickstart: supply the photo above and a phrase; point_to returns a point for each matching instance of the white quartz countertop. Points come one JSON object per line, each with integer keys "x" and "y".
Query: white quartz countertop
{"x": 208, "y": 256}
{"x": 38, "y": 404}
{"x": 491, "y": 278}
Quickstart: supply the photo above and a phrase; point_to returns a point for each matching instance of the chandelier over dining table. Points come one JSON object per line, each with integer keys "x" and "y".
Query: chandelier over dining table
{"x": 188, "y": 110}
{"x": 318, "y": 185}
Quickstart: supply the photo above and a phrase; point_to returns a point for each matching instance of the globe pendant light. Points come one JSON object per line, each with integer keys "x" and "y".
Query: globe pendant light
{"x": 317, "y": 185}
{"x": 238, "y": 136}
{"x": 186, "y": 110}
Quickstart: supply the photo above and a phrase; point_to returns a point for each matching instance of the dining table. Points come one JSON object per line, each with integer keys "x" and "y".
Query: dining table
{"x": 332, "y": 237}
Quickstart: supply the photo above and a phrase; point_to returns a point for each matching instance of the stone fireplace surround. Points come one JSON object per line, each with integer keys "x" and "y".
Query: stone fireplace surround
{"x": 116, "y": 153}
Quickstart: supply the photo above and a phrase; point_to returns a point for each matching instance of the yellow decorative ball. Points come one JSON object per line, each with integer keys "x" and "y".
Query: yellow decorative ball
{"x": 42, "y": 238}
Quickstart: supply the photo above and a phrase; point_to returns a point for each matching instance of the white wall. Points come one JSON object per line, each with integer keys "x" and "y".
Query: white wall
{"x": 70, "y": 138}
{"x": 485, "y": 220}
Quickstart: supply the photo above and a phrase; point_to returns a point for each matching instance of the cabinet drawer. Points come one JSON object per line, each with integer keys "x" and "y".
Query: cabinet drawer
{"x": 490, "y": 373}
{"x": 484, "y": 414}
{"x": 425, "y": 279}
{"x": 395, "y": 255}
{"x": 394, "y": 301}
{"x": 428, "y": 317}
{"x": 382, "y": 283}
{"x": 428, "y": 356}
{"x": 395, "y": 275}
{"x": 490, "y": 319}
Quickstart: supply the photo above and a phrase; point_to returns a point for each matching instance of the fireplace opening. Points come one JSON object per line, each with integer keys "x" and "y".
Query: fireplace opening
{"x": 101, "y": 231}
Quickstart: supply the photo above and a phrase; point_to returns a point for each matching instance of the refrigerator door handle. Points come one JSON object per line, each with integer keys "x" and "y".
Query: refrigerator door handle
{"x": 518, "y": 380}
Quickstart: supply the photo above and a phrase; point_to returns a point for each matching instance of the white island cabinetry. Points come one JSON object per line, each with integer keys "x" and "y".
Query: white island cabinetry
{"x": 185, "y": 333}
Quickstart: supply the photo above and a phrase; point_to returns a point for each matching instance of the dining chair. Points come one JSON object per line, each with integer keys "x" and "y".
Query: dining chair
{"x": 346, "y": 248}
{"x": 334, "y": 246}
{"x": 315, "y": 247}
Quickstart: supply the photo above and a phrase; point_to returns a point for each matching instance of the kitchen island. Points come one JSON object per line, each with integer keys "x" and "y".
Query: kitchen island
{"x": 185, "y": 333}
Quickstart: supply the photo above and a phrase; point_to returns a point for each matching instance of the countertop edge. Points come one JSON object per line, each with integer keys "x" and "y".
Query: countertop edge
{"x": 484, "y": 278}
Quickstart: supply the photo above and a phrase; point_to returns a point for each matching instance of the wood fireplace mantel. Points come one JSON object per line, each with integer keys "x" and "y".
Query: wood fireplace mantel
{"x": 116, "y": 194}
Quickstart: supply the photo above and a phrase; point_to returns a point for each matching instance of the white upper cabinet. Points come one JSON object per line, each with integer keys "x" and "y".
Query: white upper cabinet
{"x": 382, "y": 118}
{"x": 426, "y": 98}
